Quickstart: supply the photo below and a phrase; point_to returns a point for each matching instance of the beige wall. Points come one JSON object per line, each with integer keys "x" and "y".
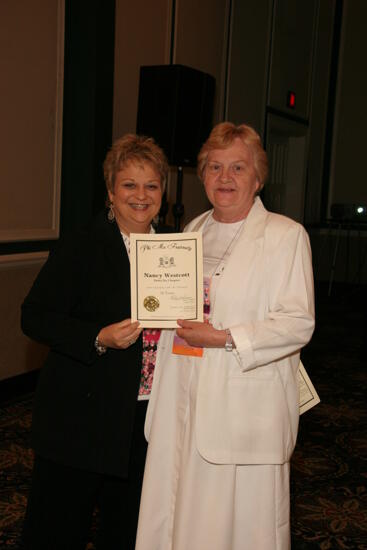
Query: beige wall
{"x": 142, "y": 37}
{"x": 18, "y": 354}
{"x": 31, "y": 57}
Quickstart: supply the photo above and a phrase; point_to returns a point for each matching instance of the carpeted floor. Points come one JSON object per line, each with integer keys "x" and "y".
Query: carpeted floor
{"x": 329, "y": 466}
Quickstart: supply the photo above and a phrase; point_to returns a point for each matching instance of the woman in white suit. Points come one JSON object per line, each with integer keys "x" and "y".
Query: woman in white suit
{"x": 222, "y": 426}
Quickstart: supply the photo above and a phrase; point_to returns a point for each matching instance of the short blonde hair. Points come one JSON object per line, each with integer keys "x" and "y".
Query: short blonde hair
{"x": 133, "y": 148}
{"x": 223, "y": 135}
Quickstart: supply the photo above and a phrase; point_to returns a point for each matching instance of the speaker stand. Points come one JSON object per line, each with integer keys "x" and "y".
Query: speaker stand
{"x": 178, "y": 208}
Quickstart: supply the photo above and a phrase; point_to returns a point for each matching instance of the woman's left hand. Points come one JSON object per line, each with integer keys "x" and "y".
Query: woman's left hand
{"x": 202, "y": 335}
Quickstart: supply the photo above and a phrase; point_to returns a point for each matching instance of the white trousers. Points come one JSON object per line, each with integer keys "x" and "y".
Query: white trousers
{"x": 191, "y": 504}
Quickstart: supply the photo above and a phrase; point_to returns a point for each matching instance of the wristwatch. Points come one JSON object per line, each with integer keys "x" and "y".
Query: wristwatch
{"x": 228, "y": 346}
{"x": 99, "y": 348}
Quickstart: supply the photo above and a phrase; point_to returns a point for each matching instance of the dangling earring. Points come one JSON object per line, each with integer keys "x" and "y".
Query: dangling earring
{"x": 111, "y": 213}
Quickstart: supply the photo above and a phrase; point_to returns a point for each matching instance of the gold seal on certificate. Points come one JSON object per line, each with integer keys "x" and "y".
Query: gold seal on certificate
{"x": 166, "y": 278}
{"x": 151, "y": 303}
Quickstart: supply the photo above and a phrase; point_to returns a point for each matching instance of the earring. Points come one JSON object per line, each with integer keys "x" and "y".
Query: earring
{"x": 110, "y": 213}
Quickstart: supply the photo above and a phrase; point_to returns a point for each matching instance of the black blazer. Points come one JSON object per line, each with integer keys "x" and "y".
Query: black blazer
{"x": 85, "y": 403}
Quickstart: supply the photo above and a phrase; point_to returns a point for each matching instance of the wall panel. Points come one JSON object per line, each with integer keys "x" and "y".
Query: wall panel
{"x": 348, "y": 181}
{"x": 248, "y": 62}
{"x": 293, "y": 38}
{"x": 31, "y": 57}
{"x": 18, "y": 354}
{"x": 319, "y": 110}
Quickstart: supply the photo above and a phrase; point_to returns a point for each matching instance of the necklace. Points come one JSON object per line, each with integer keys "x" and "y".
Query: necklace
{"x": 227, "y": 249}
{"x": 210, "y": 279}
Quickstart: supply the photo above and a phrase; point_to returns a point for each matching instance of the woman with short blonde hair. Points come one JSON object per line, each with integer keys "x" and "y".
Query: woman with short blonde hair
{"x": 223, "y": 416}
{"x": 134, "y": 148}
{"x": 223, "y": 135}
{"x": 91, "y": 400}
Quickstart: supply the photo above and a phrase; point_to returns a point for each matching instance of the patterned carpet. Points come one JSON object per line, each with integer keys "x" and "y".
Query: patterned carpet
{"x": 329, "y": 466}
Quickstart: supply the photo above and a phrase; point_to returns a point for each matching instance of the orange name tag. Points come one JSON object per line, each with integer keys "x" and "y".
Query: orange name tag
{"x": 180, "y": 347}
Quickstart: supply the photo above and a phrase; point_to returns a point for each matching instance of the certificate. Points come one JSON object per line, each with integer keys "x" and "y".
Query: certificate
{"x": 308, "y": 397}
{"x": 166, "y": 278}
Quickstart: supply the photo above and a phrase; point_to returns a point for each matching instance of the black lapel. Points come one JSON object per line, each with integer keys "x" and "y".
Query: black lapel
{"x": 110, "y": 239}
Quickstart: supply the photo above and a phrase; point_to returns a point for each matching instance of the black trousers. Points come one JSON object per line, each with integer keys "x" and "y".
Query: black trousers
{"x": 62, "y": 500}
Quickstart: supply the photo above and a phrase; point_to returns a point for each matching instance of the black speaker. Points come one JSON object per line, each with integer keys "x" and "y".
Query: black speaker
{"x": 176, "y": 108}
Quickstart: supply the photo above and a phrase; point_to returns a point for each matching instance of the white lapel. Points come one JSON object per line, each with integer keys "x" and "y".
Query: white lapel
{"x": 198, "y": 223}
{"x": 253, "y": 228}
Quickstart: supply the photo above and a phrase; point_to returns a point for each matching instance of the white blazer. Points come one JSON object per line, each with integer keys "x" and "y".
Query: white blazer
{"x": 247, "y": 406}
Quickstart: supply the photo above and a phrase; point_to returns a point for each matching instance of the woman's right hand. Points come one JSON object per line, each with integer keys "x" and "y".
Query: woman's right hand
{"x": 119, "y": 335}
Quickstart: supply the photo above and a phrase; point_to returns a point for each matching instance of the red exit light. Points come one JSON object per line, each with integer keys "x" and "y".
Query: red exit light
{"x": 291, "y": 100}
